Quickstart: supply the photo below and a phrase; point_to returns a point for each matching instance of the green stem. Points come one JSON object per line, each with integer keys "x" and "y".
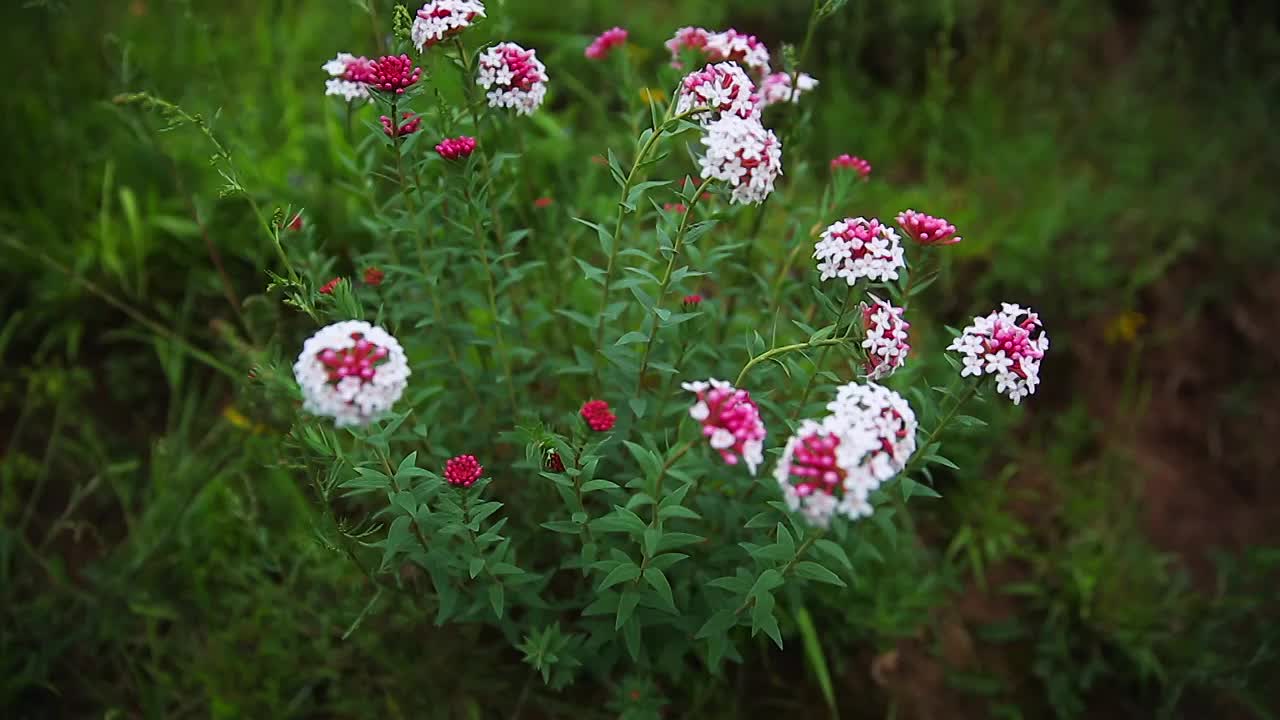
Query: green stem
{"x": 775, "y": 352}
{"x": 822, "y": 359}
{"x": 490, "y": 289}
{"x": 786, "y": 569}
{"x": 666, "y": 278}
{"x": 918, "y": 458}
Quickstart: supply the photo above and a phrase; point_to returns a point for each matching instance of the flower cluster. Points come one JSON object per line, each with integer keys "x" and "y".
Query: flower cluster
{"x": 741, "y": 48}
{"x": 410, "y": 125}
{"x": 730, "y": 421}
{"x": 608, "y": 40}
{"x": 856, "y": 248}
{"x": 724, "y": 88}
{"x": 345, "y": 72}
{"x": 441, "y": 19}
{"x": 351, "y": 371}
{"x": 389, "y": 73}
{"x": 885, "y": 338}
{"x": 598, "y": 415}
{"x": 513, "y": 76}
{"x": 776, "y": 87}
{"x": 831, "y": 467}
{"x": 744, "y": 155}
{"x": 1008, "y": 344}
{"x": 927, "y": 229}
{"x": 851, "y": 162}
{"x": 456, "y": 148}
{"x": 463, "y": 471}
{"x": 329, "y": 287}
{"x": 373, "y": 276}
{"x": 687, "y": 38}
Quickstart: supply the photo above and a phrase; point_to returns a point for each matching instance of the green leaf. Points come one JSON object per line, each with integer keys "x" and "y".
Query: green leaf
{"x": 719, "y": 622}
{"x": 623, "y": 573}
{"x": 762, "y": 618}
{"x": 816, "y": 657}
{"x": 678, "y": 511}
{"x": 632, "y": 337}
{"x": 769, "y": 580}
{"x": 833, "y": 551}
{"x": 476, "y": 565}
{"x": 606, "y": 238}
{"x": 658, "y": 581}
{"x": 666, "y": 560}
{"x": 674, "y": 540}
{"x": 496, "y": 599}
{"x": 597, "y": 485}
{"x": 620, "y": 520}
{"x": 813, "y": 571}
{"x": 626, "y": 606}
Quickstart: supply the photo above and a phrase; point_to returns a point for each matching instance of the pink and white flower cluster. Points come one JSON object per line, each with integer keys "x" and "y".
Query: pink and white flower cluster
{"x": 851, "y": 162}
{"x": 885, "y": 338}
{"x": 687, "y": 38}
{"x": 927, "y": 229}
{"x": 1008, "y": 344}
{"x": 857, "y": 248}
{"x": 607, "y": 40}
{"x": 352, "y": 372}
{"x": 730, "y": 421}
{"x": 739, "y": 47}
{"x": 776, "y": 88}
{"x": 345, "y": 77}
{"x": 831, "y": 467}
{"x": 513, "y": 77}
{"x": 744, "y": 155}
{"x": 724, "y": 88}
{"x": 439, "y": 20}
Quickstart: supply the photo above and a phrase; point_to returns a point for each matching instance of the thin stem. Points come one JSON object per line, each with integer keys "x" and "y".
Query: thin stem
{"x": 918, "y": 458}
{"x": 786, "y": 569}
{"x": 666, "y": 278}
{"x": 775, "y": 352}
{"x": 822, "y": 359}
{"x": 504, "y": 353}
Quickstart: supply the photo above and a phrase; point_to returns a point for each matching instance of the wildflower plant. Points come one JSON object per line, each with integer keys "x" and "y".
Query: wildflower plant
{"x": 513, "y": 420}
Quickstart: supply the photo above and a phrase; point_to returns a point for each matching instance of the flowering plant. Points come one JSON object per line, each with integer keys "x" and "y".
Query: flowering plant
{"x": 514, "y": 419}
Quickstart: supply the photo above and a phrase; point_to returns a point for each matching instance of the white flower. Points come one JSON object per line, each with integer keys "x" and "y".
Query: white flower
{"x": 822, "y": 471}
{"x": 730, "y": 421}
{"x": 514, "y": 77}
{"x": 885, "y": 338}
{"x": 1007, "y": 344}
{"x": 440, "y": 19}
{"x": 744, "y": 155}
{"x": 352, "y": 372}
{"x": 776, "y": 88}
{"x": 340, "y": 84}
{"x": 723, "y": 87}
{"x": 739, "y": 47}
{"x": 888, "y": 417}
{"x": 856, "y": 248}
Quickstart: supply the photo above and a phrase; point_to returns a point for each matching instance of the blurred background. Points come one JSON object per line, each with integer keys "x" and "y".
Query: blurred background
{"x": 1112, "y": 162}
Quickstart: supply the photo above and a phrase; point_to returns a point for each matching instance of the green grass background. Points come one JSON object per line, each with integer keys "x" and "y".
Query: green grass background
{"x": 152, "y": 565}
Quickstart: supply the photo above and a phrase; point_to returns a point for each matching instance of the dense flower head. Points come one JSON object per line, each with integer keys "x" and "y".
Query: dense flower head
{"x": 856, "y": 248}
{"x": 822, "y": 473}
{"x": 776, "y": 87}
{"x": 390, "y": 74}
{"x": 352, "y": 372}
{"x": 410, "y": 125}
{"x": 687, "y": 38}
{"x": 724, "y": 88}
{"x": 927, "y": 229}
{"x": 730, "y": 421}
{"x": 890, "y": 420}
{"x": 373, "y": 277}
{"x": 442, "y": 19}
{"x": 691, "y": 302}
{"x": 598, "y": 415}
{"x": 1008, "y": 344}
{"x": 851, "y": 162}
{"x": 345, "y": 73}
{"x": 514, "y": 77}
{"x": 463, "y": 471}
{"x": 885, "y": 338}
{"x": 456, "y": 148}
{"x": 608, "y": 40}
{"x": 743, "y": 155}
{"x": 329, "y": 287}
{"x": 741, "y": 48}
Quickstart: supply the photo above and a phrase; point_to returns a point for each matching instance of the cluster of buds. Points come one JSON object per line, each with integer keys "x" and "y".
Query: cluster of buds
{"x": 513, "y": 77}
{"x": 352, "y": 372}
{"x": 744, "y": 155}
{"x": 463, "y": 471}
{"x": 856, "y": 248}
{"x": 390, "y": 74}
{"x": 687, "y": 38}
{"x": 373, "y": 277}
{"x": 598, "y": 415}
{"x": 1007, "y": 344}
{"x": 412, "y": 123}
{"x": 884, "y": 338}
{"x": 741, "y": 48}
{"x": 329, "y": 287}
{"x": 927, "y": 229}
{"x": 776, "y": 88}
{"x": 724, "y": 88}
{"x": 608, "y": 40}
{"x": 691, "y": 302}
{"x": 456, "y": 148}
{"x": 730, "y": 421}
{"x": 439, "y": 20}
{"x": 851, "y": 162}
